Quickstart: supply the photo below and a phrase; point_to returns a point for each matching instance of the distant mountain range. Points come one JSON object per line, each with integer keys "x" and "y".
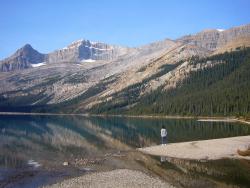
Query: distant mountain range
{"x": 79, "y": 51}
{"x": 85, "y": 50}
{"x": 101, "y": 78}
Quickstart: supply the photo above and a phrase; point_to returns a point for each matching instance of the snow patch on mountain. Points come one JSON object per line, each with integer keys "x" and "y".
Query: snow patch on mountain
{"x": 101, "y": 49}
{"x": 220, "y": 30}
{"x": 38, "y": 64}
{"x": 88, "y": 60}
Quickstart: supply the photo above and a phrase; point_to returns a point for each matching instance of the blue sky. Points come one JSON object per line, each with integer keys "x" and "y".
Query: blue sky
{"x": 51, "y": 24}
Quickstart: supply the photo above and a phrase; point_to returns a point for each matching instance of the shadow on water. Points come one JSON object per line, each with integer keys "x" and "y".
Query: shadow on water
{"x": 141, "y": 132}
{"x": 40, "y": 144}
{"x": 230, "y": 172}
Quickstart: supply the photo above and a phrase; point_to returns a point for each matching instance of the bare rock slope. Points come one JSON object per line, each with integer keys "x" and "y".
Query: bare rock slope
{"x": 22, "y": 59}
{"x": 86, "y": 73}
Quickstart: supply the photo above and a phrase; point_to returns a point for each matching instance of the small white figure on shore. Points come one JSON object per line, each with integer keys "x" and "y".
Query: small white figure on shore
{"x": 163, "y": 136}
{"x": 65, "y": 163}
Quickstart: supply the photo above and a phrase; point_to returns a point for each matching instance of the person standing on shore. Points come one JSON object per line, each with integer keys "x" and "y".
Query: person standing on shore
{"x": 163, "y": 135}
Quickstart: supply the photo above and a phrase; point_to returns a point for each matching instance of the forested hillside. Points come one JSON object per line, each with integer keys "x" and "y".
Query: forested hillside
{"x": 222, "y": 89}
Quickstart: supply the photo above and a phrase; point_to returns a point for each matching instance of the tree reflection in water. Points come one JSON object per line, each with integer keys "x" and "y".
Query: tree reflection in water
{"x": 53, "y": 139}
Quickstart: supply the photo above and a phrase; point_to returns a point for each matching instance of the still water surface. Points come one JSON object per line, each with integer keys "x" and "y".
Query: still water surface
{"x": 52, "y": 137}
{"x": 48, "y": 141}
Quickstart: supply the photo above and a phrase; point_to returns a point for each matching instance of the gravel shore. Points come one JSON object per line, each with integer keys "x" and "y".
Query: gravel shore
{"x": 202, "y": 150}
{"x": 120, "y": 178}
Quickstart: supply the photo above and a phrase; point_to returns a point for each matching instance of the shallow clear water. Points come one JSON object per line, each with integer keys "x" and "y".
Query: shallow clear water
{"x": 47, "y": 141}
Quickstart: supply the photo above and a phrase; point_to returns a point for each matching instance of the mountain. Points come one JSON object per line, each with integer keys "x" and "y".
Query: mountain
{"x": 84, "y": 50}
{"x": 23, "y": 58}
{"x": 78, "y": 51}
{"x": 100, "y": 78}
{"x": 213, "y": 39}
{"x": 221, "y": 87}
{"x": 88, "y": 51}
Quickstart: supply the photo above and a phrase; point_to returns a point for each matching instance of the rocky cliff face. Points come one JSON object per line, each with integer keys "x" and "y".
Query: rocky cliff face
{"x": 215, "y": 38}
{"x": 105, "y": 72}
{"x": 86, "y": 50}
{"x": 22, "y": 59}
{"x": 78, "y": 51}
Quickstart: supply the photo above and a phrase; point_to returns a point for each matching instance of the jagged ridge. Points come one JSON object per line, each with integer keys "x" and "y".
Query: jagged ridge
{"x": 65, "y": 82}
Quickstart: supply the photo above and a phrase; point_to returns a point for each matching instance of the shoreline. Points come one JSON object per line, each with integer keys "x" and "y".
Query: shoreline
{"x": 41, "y": 114}
{"x": 99, "y": 174}
{"x": 202, "y": 149}
{"x": 122, "y": 178}
{"x": 199, "y": 118}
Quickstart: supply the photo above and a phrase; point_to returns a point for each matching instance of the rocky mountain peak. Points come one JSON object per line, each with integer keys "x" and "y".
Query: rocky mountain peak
{"x": 27, "y": 46}
{"x": 88, "y": 44}
{"x": 86, "y": 51}
{"x": 26, "y": 50}
{"x": 21, "y": 59}
{"x": 212, "y": 39}
{"x": 76, "y": 44}
{"x": 81, "y": 50}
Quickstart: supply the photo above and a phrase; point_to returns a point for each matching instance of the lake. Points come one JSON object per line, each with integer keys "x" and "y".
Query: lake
{"x": 34, "y": 148}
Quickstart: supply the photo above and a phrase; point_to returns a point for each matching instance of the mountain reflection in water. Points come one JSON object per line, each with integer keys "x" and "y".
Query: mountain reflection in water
{"x": 53, "y": 139}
